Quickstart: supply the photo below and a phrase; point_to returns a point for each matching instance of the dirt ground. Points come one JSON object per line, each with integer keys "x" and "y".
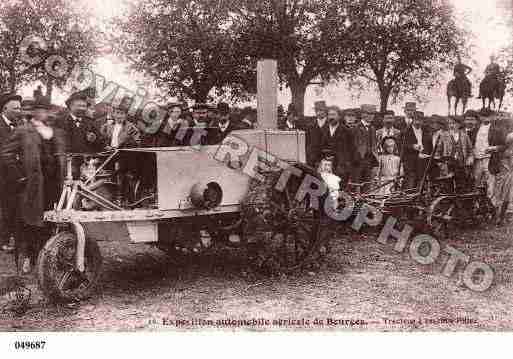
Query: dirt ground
{"x": 364, "y": 286}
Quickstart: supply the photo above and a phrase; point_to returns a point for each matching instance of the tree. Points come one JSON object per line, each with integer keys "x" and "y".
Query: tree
{"x": 187, "y": 46}
{"x": 405, "y": 44}
{"x": 505, "y": 59}
{"x": 312, "y": 40}
{"x": 64, "y": 31}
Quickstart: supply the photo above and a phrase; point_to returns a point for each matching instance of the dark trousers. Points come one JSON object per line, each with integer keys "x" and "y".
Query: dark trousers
{"x": 29, "y": 241}
{"x": 362, "y": 174}
{"x": 8, "y": 203}
{"x": 414, "y": 170}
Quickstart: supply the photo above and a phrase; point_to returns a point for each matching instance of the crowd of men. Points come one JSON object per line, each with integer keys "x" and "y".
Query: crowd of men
{"x": 359, "y": 141}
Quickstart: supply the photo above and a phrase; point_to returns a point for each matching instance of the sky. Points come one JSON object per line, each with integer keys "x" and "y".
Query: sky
{"x": 485, "y": 18}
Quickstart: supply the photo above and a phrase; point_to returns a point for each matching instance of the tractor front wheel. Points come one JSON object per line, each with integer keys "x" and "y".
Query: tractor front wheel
{"x": 58, "y": 278}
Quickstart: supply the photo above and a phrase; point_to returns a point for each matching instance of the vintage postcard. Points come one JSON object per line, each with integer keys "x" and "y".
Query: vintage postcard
{"x": 320, "y": 166}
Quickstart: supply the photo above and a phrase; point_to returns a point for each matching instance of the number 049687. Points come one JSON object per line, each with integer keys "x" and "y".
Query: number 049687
{"x": 27, "y": 345}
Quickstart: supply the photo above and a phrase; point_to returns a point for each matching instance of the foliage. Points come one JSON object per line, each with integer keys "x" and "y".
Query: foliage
{"x": 187, "y": 46}
{"x": 310, "y": 39}
{"x": 64, "y": 29}
{"x": 505, "y": 59}
{"x": 404, "y": 44}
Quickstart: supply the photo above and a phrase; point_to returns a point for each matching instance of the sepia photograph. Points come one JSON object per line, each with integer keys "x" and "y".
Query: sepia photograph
{"x": 272, "y": 166}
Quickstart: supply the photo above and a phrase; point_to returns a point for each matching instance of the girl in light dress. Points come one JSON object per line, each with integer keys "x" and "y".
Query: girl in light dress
{"x": 389, "y": 168}
{"x": 332, "y": 181}
{"x": 325, "y": 169}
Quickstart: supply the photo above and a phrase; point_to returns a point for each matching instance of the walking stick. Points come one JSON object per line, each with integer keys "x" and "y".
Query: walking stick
{"x": 422, "y": 182}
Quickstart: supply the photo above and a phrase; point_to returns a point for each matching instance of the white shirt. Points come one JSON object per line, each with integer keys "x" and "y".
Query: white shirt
{"x": 332, "y": 130}
{"x": 418, "y": 136}
{"x": 114, "y": 142}
{"x": 224, "y": 127}
{"x": 435, "y": 137}
{"x": 321, "y": 121}
{"x": 332, "y": 181}
{"x": 76, "y": 120}
{"x": 482, "y": 142}
{"x": 290, "y": 125}
{"x": 408, "y": 121}
{"x": 455, "y": 136}
{"x": 7, "y": 121}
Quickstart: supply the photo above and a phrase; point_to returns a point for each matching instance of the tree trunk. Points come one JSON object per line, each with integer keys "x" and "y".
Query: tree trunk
{"x": 298, "y": 97}
{"x": 201, "y": 93}
{"x": 49, "y": 89}
{"x": 12, "y": 80}
{"x": 384, "y": 96}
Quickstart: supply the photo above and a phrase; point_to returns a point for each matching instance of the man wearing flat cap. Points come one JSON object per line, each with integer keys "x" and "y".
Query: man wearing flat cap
{"x": 82, "y": 136}
{"x": 10, "y": 109}
{"x": 34, "y": 161}
{"x": 470, "y": 121}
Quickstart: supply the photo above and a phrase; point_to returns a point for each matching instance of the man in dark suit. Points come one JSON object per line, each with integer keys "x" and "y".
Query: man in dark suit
{"x": 314, "y": 134}
{"x": 82, "y": 135}
{"x": 364, "y": 135}
{"x": 291, "y": 120}
{"x": 30, "y": 156}
{"x": 337, "y": 139}
{"x": 222, "y": 126}
{"x": 10, "y": 108}
{"x": 417, "y": 146}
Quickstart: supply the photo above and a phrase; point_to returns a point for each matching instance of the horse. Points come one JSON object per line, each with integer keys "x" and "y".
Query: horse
{"x": 492, "y": 88}
{"x": 459, "y": 93}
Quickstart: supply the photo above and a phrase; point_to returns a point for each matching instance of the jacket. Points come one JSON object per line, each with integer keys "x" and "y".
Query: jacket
{"x": 314, "y": 141}
{"x": 129, "y": 136}
{"x": 408, "y": 140}
{"x": 342, "y": 145}
{"x": 496, "y": 137}
{"x": 38, "y": 169}
{"x": 76, "y": 136}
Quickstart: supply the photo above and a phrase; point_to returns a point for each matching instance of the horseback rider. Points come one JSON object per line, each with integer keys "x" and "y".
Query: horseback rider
{"x": 493, "y": 69}
{"x": 460, "y": 74}
{"x": 492, "y": 76}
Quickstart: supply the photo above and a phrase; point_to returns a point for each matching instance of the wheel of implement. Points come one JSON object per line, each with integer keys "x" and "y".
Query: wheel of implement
{"x": 440, "y": 215}
{"x": 285, "y": 234}
{"x": 58, "y": 278}
{"x": 483, "y": 209}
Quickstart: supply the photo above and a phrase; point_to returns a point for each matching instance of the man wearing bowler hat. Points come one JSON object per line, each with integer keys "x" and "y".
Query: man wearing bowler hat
{"x": 409, "y": 113}
{"x": 10, "y": 109}
{"x": 291, "y": 120}
{"x": 388, "y": 130}
{"x": 417, "y": 146}
{"x": 221, "y": 127}
{"x": 82, "y": 136}
{"x": 314, "y": 133}
{"x": 364, "y": 135}
{"x": 36, "y": 171}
